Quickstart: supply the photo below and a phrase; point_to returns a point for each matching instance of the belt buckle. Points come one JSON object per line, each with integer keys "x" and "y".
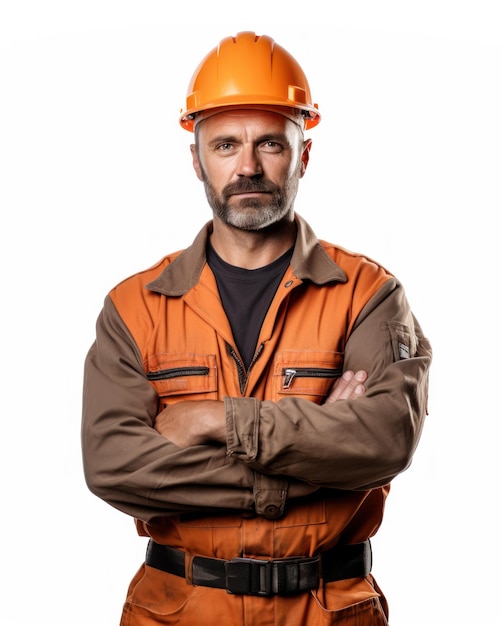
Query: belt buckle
{"x": 249, "y": 576}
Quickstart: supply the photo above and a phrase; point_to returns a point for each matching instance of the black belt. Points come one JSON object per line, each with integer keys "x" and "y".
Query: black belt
{"x": 265, "y": 577}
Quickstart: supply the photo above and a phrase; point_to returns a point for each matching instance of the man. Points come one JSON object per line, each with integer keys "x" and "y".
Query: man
{"x": 249, "y": 400}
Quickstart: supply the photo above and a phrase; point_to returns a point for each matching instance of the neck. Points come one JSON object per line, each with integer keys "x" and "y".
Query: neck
{"x": 252, "y": 249}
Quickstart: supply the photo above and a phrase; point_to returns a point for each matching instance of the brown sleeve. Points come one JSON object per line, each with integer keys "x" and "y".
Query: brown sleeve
{"x": 349, "y": 444}
{"x": 126, "y": 462}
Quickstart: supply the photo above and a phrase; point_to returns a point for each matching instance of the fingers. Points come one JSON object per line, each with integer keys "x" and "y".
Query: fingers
{"x": 349, "y": 386}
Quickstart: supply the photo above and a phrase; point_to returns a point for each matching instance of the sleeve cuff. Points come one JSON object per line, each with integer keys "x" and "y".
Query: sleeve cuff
{"x": 242, "y": 427}
{"x": 242, "y": 439}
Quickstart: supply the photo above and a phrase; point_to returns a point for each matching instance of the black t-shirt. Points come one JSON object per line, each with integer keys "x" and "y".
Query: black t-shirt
{"x": 246, "y": 296}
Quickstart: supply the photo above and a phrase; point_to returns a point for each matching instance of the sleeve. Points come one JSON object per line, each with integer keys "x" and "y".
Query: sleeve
{"x": 350, "y": 444}
{"x": 126, "y": 462}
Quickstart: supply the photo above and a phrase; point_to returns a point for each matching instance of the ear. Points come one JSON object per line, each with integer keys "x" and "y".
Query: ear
{"x": 305, "y": 155}
{"x": 196, "y": 162}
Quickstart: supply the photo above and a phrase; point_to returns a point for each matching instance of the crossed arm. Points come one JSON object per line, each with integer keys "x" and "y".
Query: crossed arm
{"x": 360, "y": 443}
{"x": 192, "y": 423}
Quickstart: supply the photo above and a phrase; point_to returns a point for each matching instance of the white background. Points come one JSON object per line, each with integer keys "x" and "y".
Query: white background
{"x": 96, "y": 183}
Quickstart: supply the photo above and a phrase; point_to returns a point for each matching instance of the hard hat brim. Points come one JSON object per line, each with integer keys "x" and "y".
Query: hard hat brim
{"x": 304, "y": 118}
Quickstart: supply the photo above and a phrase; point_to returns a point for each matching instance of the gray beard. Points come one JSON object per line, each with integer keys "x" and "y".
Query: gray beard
{"x": 252, "y": 214}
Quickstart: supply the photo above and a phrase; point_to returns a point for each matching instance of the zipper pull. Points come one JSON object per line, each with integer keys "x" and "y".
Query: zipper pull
{"x": 288, "y": 377}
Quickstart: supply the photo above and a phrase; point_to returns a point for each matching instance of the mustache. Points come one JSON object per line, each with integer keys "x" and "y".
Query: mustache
{"x": 249, "y": 185}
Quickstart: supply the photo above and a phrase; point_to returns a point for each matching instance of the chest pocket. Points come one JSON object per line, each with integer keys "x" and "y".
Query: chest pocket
{"x": 308, "y": 374}
{"x": 183, "y": 376}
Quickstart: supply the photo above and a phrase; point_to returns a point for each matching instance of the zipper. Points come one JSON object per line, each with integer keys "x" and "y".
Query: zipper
{"x": 242, "y": 374}
{"x": 290, "y": 373}
{"x": 175, "y": 372}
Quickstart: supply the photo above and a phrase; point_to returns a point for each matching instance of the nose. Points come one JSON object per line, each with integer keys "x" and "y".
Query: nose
{"x": 249, "y": 163}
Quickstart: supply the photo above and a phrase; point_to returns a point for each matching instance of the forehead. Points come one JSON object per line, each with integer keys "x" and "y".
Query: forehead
{"x": 248, "y": 123}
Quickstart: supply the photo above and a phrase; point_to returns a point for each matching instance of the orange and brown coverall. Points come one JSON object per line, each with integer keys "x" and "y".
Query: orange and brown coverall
{"x": 295, "y": 477}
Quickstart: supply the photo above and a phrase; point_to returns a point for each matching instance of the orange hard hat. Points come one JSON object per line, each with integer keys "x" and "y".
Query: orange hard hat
{"x": 249, "y": 70}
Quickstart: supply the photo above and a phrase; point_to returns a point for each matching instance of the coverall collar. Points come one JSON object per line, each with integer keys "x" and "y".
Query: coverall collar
{"x": 309, "y": 262}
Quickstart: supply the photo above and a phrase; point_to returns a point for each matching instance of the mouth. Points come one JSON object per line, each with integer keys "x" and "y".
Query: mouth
{"x": 250, "y": 194}
{"x": 249, "y": 189}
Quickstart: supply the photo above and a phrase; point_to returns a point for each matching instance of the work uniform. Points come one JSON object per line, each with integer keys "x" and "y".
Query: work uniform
{"x": 296, "y": 477}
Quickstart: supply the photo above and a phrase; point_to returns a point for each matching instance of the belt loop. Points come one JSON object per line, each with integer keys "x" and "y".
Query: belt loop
{"x": 188, "y": 567}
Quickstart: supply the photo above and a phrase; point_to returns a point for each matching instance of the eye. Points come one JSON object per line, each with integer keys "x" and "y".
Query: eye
{"x": 224, "y": 147}
{"x": 271, "y": 146}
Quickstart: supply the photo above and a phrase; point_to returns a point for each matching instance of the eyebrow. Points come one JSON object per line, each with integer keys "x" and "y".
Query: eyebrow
{"x": 279, "y": 137}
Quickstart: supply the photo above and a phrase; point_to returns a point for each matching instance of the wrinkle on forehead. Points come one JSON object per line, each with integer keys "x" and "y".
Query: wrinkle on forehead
{"x": 238, "y": 122}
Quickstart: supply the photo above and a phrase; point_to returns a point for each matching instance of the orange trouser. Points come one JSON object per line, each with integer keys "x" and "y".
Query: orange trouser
{"x": 156, "y": 598}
